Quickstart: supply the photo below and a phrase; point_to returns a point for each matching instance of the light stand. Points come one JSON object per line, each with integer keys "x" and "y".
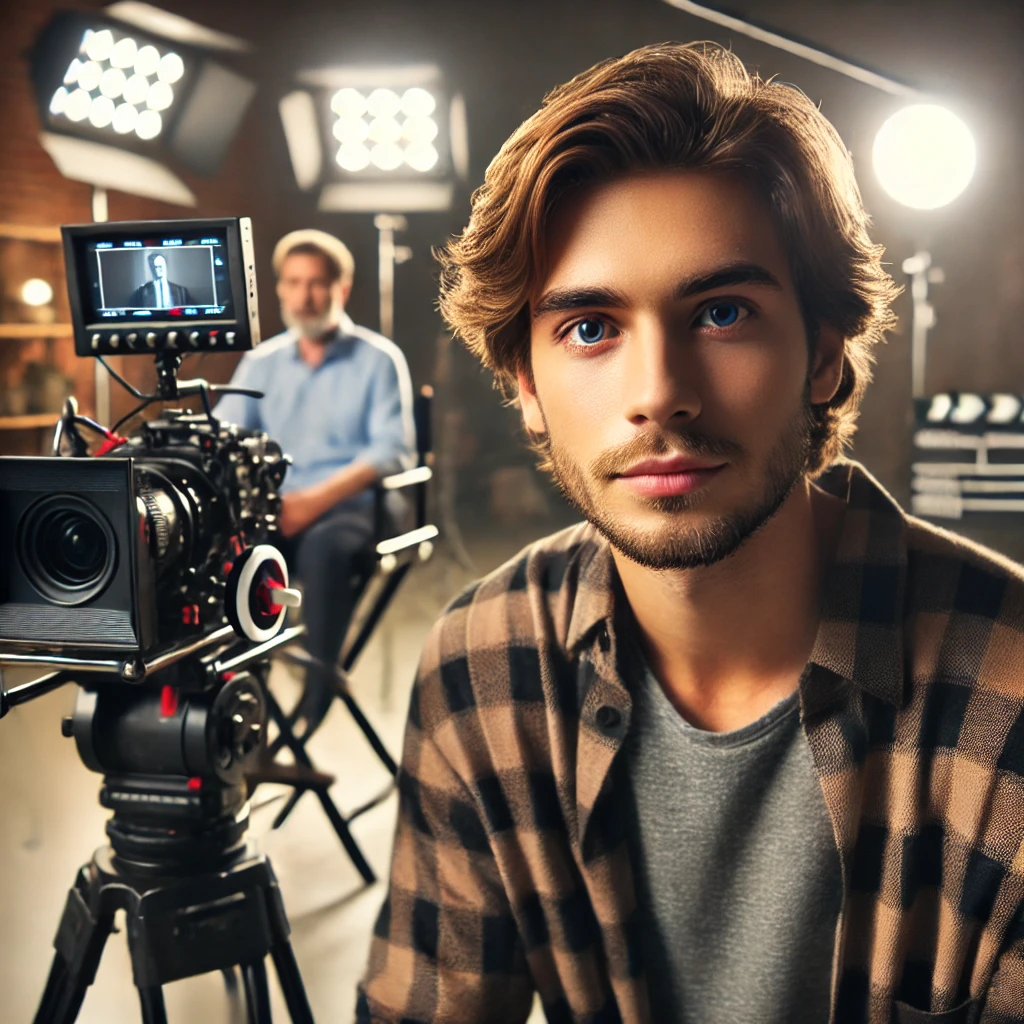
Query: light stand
{"x": 389, "y": 254}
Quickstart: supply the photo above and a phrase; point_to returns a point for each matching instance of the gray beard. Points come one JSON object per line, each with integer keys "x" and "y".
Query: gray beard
{"x": 720, "y": 536}
{"x": 315, "y": 326}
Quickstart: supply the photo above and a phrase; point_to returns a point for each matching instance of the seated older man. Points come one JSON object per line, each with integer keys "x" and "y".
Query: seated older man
{"x": 338, "y": 399}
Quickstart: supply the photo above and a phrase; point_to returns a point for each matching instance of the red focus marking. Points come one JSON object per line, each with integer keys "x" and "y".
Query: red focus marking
{"x": 228, "y": 676}
{"x": 195, "y": 784}
{"x": 168, "y": 702}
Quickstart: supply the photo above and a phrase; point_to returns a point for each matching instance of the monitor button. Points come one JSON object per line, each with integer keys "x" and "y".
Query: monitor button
{"x": 114, "y": 341}
{"x": 193, "y": 339}
{"x": 151, "y": 339}
{"x": 229, "y": 337}
{"x": 172, "y": 339}
{"x": 95, "y": 341}
{"x": 131, "y": 339}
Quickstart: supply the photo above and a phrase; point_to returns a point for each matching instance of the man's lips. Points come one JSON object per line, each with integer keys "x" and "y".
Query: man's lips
{"x": 659, "y": 478}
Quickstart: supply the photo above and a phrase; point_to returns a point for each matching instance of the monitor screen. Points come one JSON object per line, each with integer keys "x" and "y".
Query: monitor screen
{"x": 168, "y": 277}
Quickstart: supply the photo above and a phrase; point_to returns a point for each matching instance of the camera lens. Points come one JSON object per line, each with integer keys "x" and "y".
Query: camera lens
{"x": 67, "y": 548}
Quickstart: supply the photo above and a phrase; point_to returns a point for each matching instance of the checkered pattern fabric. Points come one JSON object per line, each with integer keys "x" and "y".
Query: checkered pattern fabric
{"x": 510, "y": 871}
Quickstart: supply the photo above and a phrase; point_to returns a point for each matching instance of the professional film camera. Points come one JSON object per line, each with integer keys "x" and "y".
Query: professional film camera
{"x": 143, "y": 573}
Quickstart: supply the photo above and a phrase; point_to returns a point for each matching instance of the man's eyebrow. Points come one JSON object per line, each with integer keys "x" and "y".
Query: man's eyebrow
{"x": 724, "y": 277}
{"x": 565, "y": 300}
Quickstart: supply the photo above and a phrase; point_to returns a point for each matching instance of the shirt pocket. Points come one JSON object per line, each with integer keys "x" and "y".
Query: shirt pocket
{"x": 965, "y": 1013}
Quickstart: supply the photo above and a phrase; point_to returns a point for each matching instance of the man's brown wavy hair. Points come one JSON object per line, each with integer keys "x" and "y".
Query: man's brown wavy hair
{"x": 665, "y": 107}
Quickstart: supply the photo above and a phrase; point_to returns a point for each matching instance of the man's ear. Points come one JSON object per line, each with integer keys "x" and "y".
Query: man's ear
{"x": 533, "y": 418}
{"x": 346, "y": 291}
{"x": 826, "y": 364}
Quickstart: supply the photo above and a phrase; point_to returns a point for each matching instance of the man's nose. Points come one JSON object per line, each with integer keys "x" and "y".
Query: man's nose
{"x": 661, "y": 376}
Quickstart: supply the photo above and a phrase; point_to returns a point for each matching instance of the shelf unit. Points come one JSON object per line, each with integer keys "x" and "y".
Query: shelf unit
{"x": 17, "y": 429}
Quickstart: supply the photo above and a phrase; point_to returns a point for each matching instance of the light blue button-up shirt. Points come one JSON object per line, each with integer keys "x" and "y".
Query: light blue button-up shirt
{"x": 355, "y": 407}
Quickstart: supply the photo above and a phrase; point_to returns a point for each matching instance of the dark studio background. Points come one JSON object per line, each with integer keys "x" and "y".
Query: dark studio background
{"x": 504, "y": 58}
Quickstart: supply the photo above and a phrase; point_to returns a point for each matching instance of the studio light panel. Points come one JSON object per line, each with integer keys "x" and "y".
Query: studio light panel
{"x": 385, "y": 130}
{"x": 116, "y": 83}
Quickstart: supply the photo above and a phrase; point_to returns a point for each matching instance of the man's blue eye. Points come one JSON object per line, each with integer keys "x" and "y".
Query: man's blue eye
{"x": 589, "y": 332}
{"x": 720, "y": 314}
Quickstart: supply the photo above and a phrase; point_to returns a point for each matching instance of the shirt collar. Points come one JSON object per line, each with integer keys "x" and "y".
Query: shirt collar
{"x": 860, "y": 635}
{"x": 343, "y": 331}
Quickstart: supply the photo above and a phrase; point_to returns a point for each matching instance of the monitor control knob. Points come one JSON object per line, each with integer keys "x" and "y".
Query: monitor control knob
{"x": 193, "y": 339}
{"x": 114, "y": 340}
{"x": 172, "y": 339}
{"x": 131, "y": 339}
{"x": 95, "y": 341}
{"x": 151, "y": 339}
{"x": 229, "y": 337}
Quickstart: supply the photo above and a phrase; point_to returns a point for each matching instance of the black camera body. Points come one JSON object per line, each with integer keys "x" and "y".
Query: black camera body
{"x": 130, "y": 553}
{"x": 124, "y": 561}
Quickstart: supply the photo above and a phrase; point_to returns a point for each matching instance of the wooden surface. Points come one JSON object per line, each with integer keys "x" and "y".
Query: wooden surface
{"x": 30, "y": 422}
{"x": 35, "y": 330}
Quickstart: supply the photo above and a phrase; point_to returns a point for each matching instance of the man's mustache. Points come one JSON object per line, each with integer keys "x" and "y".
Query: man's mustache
{"x": 659, "y": 444}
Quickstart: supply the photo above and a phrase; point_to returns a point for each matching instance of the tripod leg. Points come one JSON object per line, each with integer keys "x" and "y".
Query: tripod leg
{"x": 54, "y": 990}
{"x": 79, "y": 943}
{"x": 151, "y": 999}
{"x": 257, "y": 994}
{"x": 291, "y": 982}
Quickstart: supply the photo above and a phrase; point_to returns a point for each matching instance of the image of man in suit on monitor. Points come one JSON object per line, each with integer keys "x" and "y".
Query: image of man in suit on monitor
{"x": 159, "y": 292}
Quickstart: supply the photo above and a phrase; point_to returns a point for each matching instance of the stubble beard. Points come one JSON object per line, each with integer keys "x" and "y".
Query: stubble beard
{"x": 676, "y": 545}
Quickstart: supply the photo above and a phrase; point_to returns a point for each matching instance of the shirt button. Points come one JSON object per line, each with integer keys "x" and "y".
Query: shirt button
{"x": 608, "y": 719}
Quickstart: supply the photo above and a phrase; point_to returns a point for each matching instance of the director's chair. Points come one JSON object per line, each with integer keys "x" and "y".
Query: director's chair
{"x": 376, "y": 579}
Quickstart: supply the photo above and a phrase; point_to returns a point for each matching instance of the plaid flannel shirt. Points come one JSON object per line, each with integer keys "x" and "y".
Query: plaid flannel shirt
{"x": 510, "y": 868}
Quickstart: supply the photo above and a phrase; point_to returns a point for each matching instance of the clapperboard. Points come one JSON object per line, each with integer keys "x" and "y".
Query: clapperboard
{"x": 968, "y": 455}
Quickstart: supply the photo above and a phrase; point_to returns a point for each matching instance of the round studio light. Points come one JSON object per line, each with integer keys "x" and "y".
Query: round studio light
{"x": 147, "y": 61}
{"x": 924, "y": 156}
{"x": 420, "y": 129}
{"x": 98, "y": 45}
{"x": 353, "y": 156}
{"x": 387, "y": 156}
{"x": 101, "y": 111}
{"x": 160, "y": 97}
{"x": 125, "y": 118}
{"x": 124, "y": 53}
{"x": 172, "y": 67}
{"x": 73, "y": 71}
{"x": 383, "y": 103}
{"x": 77, "y": 106}
{"x": 136, "y": 89}
{"x": 351, "y": 129}
{"x": 149, "y": 125}
{"x": 384, "y": 129}
{"x": 348, "y": 103}
{"x": 418, "y": 102}
{"x": 421, "y": 156}
{"x": 36, "y": 292}
{"x": 59, "y": 101}
{"x": 112, "y": 83}
{"x": 89, "y": 76}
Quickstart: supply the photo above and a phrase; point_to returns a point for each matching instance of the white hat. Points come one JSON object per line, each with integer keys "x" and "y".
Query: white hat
{"x": 333, "y": 248}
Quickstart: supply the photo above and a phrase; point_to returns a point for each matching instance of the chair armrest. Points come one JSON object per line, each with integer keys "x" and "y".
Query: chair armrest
{"x": 420, "y": 475}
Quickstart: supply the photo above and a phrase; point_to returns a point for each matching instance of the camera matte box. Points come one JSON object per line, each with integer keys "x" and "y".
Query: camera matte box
{"x": 111, "y": 619}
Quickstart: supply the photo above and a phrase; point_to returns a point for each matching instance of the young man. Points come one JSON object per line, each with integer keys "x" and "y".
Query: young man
{"x": 338, "y": 399}
{"x": 749, "y": 744}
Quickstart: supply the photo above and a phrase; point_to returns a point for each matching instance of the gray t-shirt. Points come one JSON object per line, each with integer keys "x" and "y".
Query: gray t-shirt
{"x": 739, "y": 881}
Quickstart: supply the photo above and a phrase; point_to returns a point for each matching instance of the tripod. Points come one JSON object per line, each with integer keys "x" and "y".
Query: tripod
{"x": 196, "y": 895}
{"x": 186, "y": 914}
